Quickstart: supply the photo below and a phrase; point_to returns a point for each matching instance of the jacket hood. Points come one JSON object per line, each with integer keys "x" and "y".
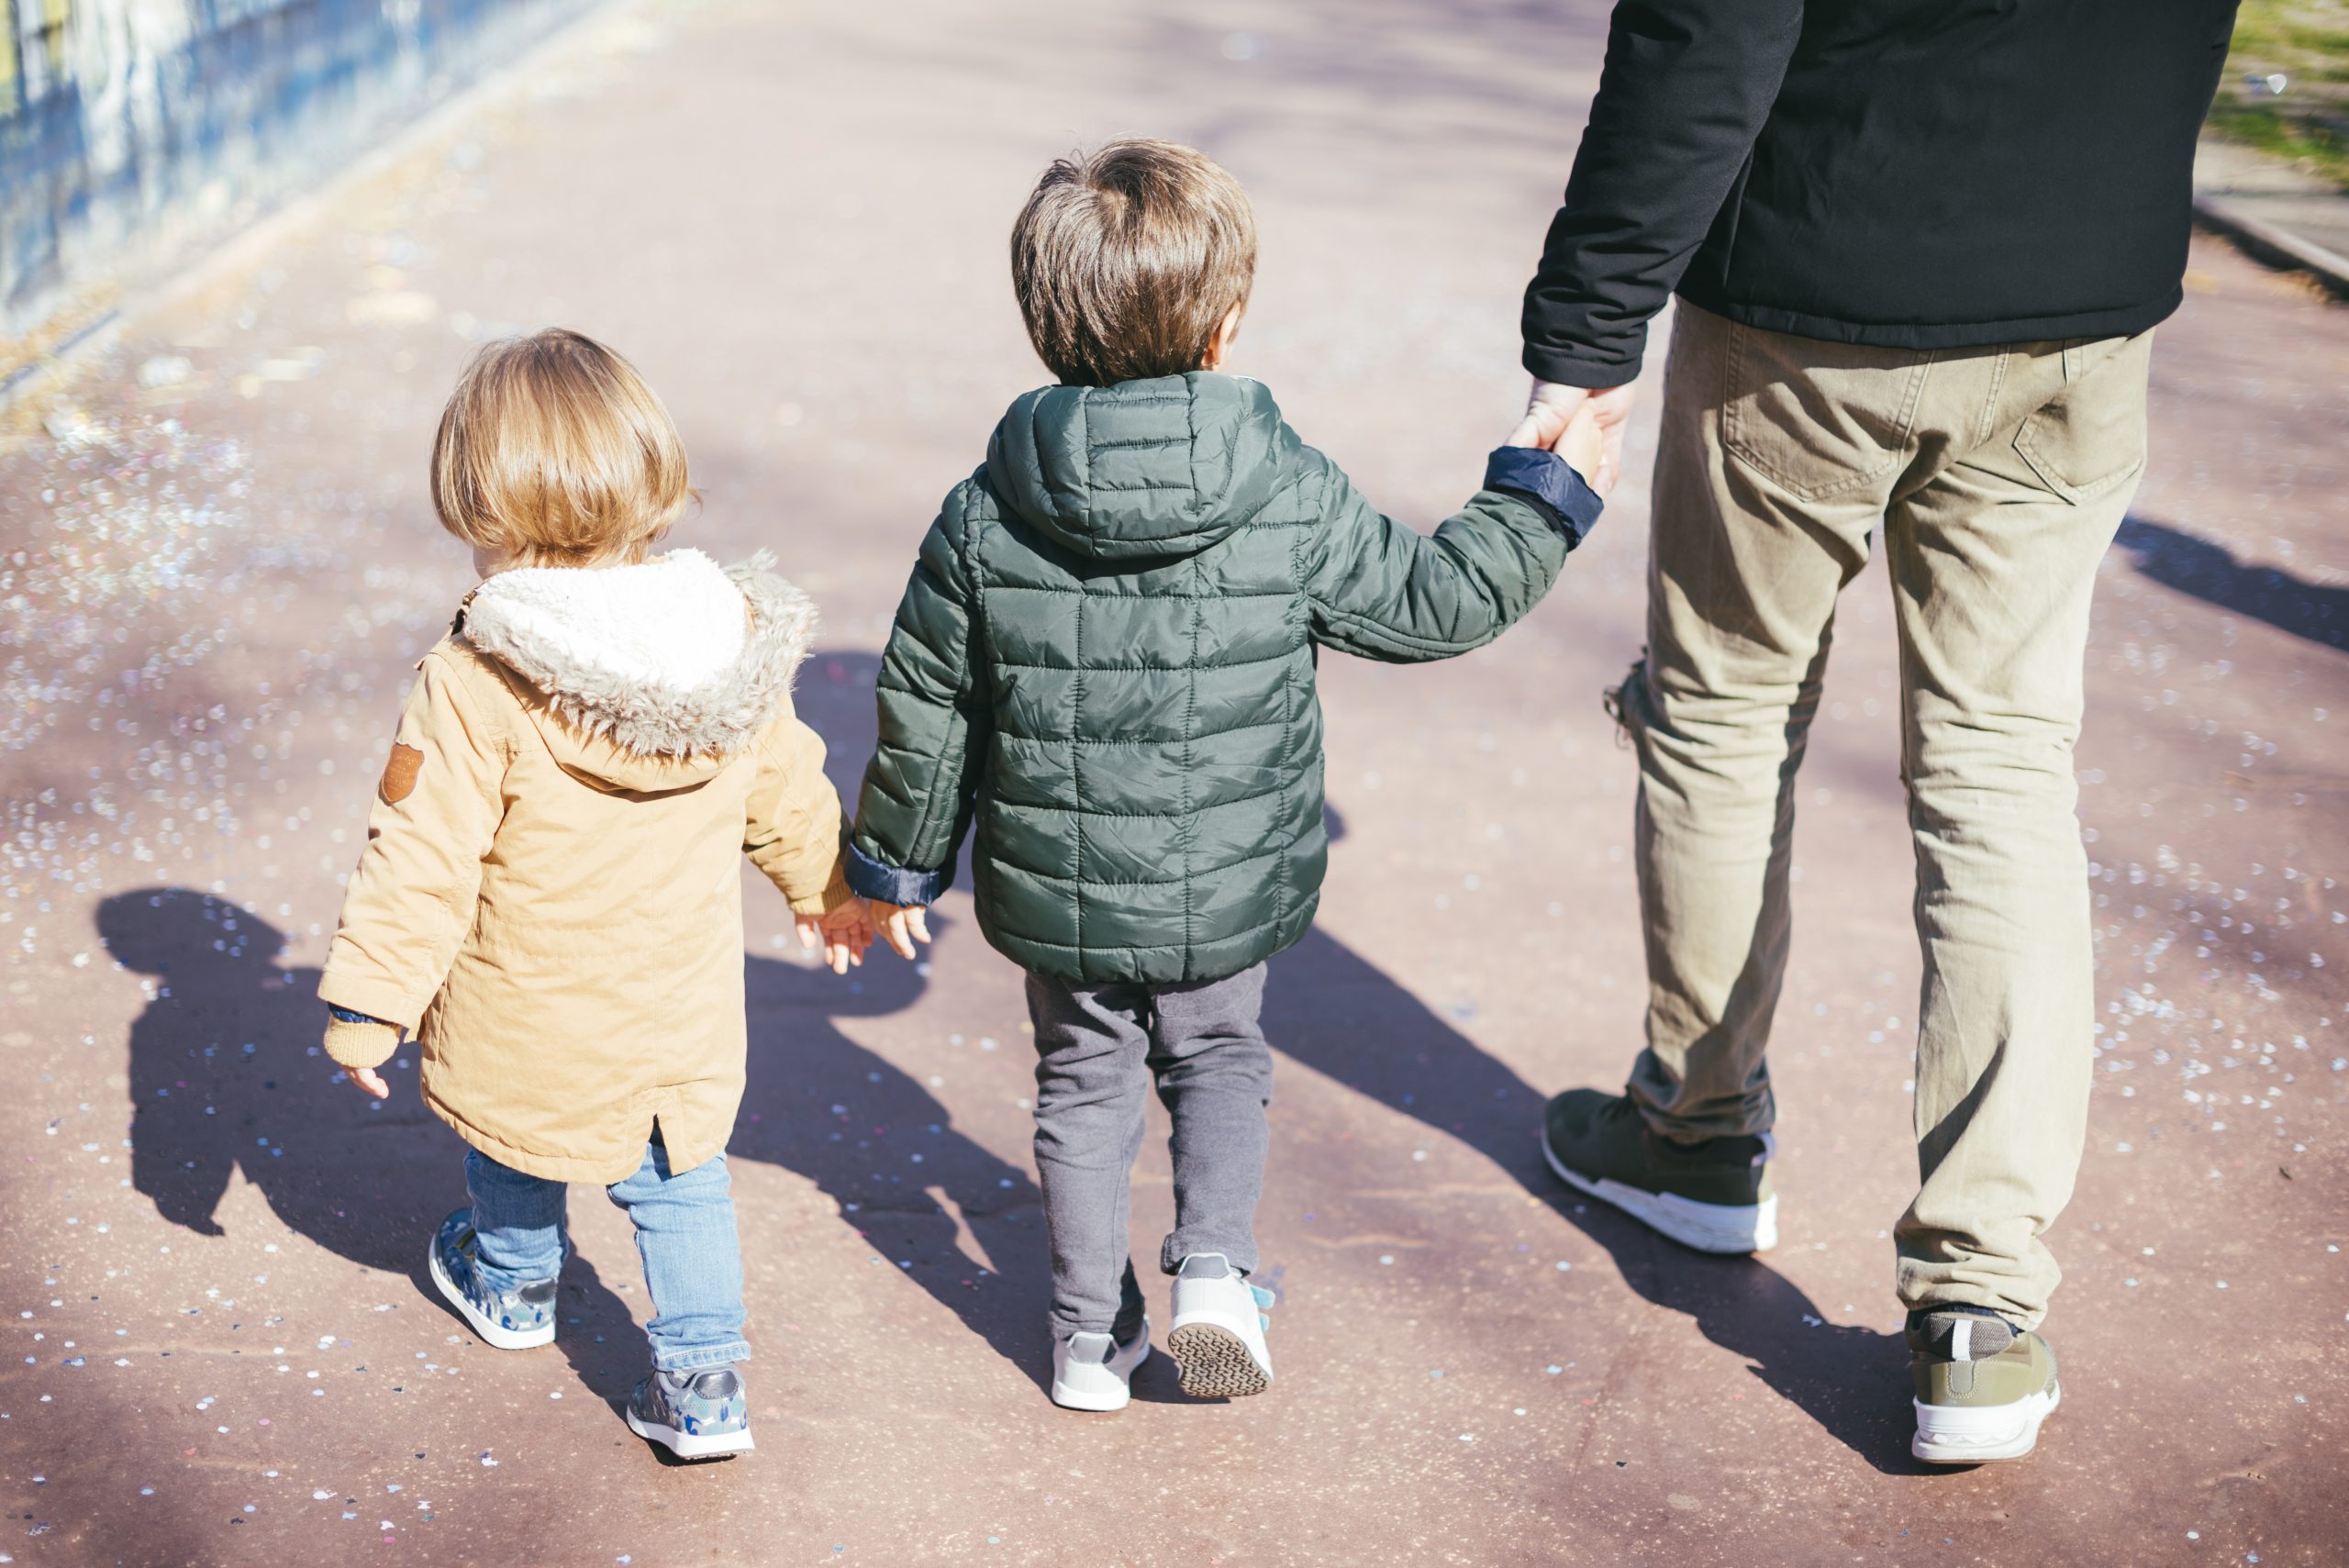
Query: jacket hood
{"x": 653, "y": 675}
{"x": 1144, "y": 469}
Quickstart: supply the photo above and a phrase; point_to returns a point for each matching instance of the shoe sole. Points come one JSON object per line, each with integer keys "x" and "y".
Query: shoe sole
{"x": 1215, "y": 1362}
{"x": 494, "y": 1334}
{"x": 1707, "y": 1227}
{"x": 1960, "y": 1434}
{"x": 690, "y": 1445}
{"x": 1099, "y": 1404}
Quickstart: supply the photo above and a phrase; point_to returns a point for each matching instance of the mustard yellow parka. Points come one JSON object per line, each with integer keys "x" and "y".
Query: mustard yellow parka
{"x": 550, "y": 896}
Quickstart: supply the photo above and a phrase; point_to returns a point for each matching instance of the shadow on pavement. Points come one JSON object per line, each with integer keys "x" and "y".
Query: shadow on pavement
{"x": 2210, "y": 572}
{"x": 227, "y": 1075}
{"x": 957, "y": 1220}
{"x": 933, "y": 1205}
{"x": 1333, "y": 1011}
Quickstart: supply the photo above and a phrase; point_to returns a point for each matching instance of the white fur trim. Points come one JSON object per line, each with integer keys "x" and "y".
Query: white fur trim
{"x": 670, "y": 624}
{"x": 674, "y": 657}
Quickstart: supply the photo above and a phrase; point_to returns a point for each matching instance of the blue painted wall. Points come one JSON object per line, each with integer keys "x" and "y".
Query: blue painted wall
{"x": 134, "y": 130}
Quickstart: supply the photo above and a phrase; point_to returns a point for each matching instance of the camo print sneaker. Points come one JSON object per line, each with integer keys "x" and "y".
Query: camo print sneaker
{"x": 1983, "y": 1386}
{"x": 520, "y": 1319}
{"x": 1714, "y": 1195}
{"x": 696, "y": 1414}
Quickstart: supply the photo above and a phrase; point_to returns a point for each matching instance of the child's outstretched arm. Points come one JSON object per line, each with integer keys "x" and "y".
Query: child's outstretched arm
{"x": 919, "y": 789}
{"x": 793, "y": 835}
{"x": 411, "y": 901}
{"x": 1385, "y": 591}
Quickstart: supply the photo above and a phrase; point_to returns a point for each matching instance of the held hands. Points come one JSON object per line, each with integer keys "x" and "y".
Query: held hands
{"x": 1583, "y": 445}
{"x": 901, "y": 925}
{"x": 1582, "y": 426}
{"x": 843, "y": 934}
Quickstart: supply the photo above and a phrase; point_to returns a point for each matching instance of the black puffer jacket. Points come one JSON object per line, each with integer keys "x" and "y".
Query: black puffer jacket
{"x": 1107, "y": 652}
{"x": 1910, "y": 173}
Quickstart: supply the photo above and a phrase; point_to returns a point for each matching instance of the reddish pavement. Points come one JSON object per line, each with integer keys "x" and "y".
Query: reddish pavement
{"x": 211, "y": 591}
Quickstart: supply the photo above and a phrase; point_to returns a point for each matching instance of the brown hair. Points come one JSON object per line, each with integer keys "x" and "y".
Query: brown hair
{"x": 555, "y": 452}
{"x": 1128, "y": 259}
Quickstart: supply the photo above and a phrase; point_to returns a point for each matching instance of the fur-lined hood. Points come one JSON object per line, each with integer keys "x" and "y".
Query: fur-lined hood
{"x": 655, "y": 674}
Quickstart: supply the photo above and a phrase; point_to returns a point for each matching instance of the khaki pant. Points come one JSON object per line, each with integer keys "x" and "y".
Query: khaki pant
{"x": 1999, "y": 477}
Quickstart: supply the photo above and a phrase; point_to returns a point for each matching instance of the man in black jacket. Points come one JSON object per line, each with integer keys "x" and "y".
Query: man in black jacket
{"x": 1920, "y": 250}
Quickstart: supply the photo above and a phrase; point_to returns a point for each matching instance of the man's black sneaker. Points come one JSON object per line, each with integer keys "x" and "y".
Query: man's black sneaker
{"x": 1714, "y": 1195}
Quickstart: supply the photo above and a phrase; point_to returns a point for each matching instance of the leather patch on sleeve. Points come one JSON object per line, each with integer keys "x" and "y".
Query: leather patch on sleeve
{"x": 399, "y": 773}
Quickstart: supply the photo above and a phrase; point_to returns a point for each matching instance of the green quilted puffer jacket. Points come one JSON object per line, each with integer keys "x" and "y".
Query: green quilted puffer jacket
{"x": 1105, "y": 658}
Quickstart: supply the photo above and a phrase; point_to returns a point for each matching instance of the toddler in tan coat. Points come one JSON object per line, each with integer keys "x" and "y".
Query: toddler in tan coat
{"x": 549, "y": 899}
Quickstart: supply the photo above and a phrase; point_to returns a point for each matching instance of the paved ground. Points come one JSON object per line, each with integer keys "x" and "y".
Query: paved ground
{"x": 212, "y": 589}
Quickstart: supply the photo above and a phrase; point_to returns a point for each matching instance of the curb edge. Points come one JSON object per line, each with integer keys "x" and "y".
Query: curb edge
{"x": 2274, "y": 245}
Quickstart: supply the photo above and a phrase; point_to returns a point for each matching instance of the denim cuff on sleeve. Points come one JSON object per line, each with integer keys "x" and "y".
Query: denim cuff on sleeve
{"x": 894, "y": 884}
{"x": 345, "y": 1016}
{"x": 1550, "y": 482}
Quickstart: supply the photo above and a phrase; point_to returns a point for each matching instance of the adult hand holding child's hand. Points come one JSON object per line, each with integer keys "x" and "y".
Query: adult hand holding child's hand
{"x": 1552, "y": 413}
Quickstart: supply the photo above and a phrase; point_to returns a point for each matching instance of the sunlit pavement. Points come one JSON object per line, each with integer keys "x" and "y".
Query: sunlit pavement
{"x": 214, "y": 575}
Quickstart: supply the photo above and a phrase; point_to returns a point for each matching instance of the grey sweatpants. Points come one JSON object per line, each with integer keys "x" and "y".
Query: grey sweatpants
{"x": 1098, "y": 1048}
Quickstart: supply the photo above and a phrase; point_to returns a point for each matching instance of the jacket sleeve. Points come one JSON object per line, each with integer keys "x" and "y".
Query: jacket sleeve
{"x": 1384, "y": 591}
{"x": 410, "y": 902}
{"x": 1684, "y": 93}
{"x": 793, "y": 830}
{"x": 354, "y": 1040}
{"x": 921, "y": 785}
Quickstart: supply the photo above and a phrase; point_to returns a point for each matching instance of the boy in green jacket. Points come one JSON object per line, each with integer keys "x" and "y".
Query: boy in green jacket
{"x": 1106, "y": 658}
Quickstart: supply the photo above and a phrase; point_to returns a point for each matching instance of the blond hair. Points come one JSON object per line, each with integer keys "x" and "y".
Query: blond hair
{"x": 553, "y": 451}
{"x": 1126, "y": 259}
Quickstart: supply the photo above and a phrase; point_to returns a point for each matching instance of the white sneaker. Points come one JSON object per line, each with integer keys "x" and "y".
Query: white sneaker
{"x": 1218, "y": 1338}
{"x": 1093, "y": 1372}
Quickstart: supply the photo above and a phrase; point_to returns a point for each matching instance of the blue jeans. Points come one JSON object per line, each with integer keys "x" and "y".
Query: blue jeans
{"x": 685, "y": 1233}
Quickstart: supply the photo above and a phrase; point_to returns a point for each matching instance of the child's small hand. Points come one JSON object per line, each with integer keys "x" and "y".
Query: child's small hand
{"x": 848, "y": 931}
{"x": 843, "y": 934}
{"x": 901, "y": 925}
{"x": 353, "y": 1038}
{"x": 1583, "y": 443}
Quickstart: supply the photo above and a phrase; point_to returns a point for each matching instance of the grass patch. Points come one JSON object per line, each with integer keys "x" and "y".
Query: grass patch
{"x": 2306, "y": 42}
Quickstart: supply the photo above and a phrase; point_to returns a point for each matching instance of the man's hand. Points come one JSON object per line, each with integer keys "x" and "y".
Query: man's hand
{"x": 370, "y": 1080}
{"x": 901, "y": 925}
{"x": 843, "y": 934}
{"x": 1551, "y": 410}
